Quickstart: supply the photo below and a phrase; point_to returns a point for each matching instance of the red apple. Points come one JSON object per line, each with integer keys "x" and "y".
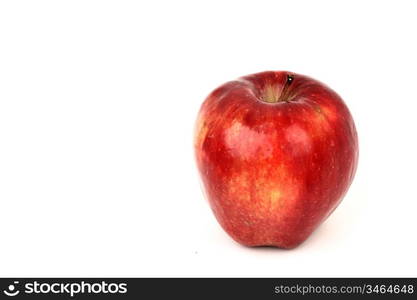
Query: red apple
{"x": 277, "y": 152}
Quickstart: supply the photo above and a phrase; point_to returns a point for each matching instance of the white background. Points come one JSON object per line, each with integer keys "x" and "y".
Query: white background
{"x": 97, "y": 105}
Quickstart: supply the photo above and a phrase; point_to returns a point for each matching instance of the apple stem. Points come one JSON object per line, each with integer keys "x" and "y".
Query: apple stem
{"x": 283, "y": 95}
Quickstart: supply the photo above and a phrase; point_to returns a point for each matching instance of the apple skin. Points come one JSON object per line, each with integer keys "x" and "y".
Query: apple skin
{"x": 276, "y": 152}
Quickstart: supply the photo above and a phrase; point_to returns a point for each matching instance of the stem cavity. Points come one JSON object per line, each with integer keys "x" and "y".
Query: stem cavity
{"x": 272, "y": 93}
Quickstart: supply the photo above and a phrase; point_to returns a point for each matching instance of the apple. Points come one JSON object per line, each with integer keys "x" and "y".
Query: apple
{"x": 276, "y": 152}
